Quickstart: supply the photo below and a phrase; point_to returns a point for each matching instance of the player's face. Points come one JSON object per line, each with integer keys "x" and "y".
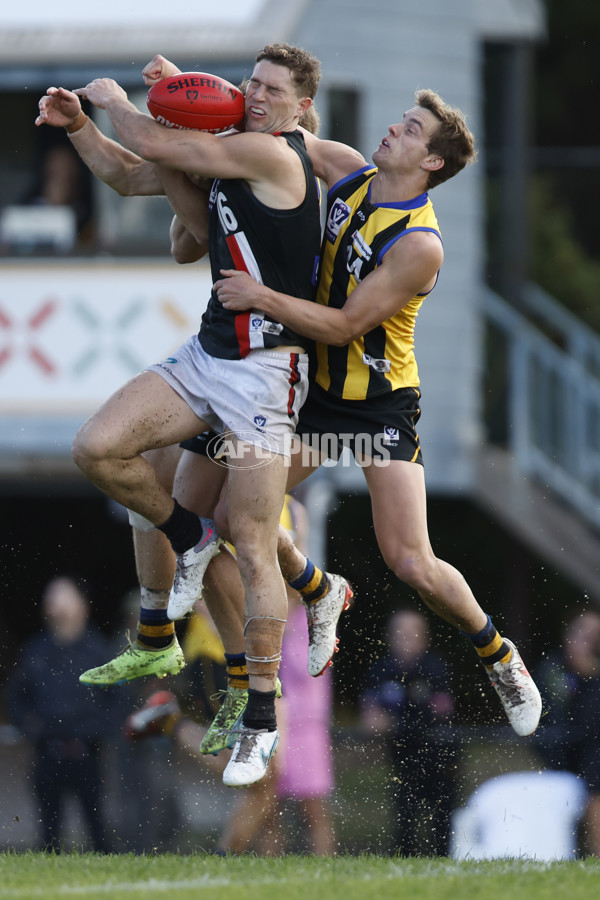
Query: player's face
{"x": 272, "y": 102}
{"x": 404, "y": 148}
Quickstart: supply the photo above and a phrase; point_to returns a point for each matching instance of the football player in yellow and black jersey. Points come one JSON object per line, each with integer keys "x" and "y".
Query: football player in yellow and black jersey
{"x": 381, "y": 255}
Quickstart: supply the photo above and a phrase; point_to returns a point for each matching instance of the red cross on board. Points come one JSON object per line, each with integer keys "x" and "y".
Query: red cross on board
{"x": 34, "y": 323}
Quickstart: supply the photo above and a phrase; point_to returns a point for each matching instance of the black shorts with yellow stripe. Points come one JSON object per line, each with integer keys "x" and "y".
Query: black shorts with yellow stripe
{"x": 382, "y": 427}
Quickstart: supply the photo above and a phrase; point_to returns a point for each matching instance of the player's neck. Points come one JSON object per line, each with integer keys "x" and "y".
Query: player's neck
{"x": 388, "y": 187}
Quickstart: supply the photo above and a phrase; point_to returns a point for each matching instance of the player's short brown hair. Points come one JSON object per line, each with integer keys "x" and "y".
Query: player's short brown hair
{"x": 305, "y": 68}
{"x": 452, "y": 141}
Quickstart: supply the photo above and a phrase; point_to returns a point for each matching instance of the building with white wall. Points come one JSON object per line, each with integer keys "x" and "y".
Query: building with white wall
{"x": 374, "y": 57}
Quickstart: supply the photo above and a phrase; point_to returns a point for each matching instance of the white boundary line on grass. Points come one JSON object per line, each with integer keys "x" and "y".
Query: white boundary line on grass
{"x": 152, "y": 884}
{"x": 396, "y": 870}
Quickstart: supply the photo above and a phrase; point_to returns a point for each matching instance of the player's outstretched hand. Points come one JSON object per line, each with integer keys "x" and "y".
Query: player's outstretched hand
{"x": 58, "y": 107}
{"x": 101, "y": 91}
{"x": 157, "y": 69}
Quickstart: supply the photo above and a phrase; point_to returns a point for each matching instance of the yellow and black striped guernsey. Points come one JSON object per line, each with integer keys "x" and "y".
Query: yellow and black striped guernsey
{"x": 358, "y": 233}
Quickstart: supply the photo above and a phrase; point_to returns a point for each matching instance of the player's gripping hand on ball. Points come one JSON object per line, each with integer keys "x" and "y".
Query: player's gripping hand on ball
{"x": 58, "y": 107}
{"x": 157, "y": 69}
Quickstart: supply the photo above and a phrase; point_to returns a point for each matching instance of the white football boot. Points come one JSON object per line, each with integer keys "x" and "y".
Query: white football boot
{"x": 250, "y": 757}
{"x": 190, "y": 569}
{"x": 322, "y": 616}
{"x": 518, "y": 693}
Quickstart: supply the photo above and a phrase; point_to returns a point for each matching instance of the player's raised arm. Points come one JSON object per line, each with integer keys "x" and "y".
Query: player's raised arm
{"x": 256, "y": 155}
{"x": 191, "y": 151}
{"x": 157, "y": 69}
{"x": 119, "y": 168}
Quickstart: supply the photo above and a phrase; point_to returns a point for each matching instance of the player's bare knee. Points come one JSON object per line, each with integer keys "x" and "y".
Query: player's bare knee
{"x": 249, "y": 564}
{"x": 252, "y": 545}
{"x": 412, "y": 569}
{"x": 85, "y": 449}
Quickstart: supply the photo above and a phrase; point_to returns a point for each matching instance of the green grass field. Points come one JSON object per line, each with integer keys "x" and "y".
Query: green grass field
{"x": 127, "y": 877}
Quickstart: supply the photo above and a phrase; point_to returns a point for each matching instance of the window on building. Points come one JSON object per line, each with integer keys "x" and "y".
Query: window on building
{"x": 50, "y": 204}
{"x": 343, "y": 115}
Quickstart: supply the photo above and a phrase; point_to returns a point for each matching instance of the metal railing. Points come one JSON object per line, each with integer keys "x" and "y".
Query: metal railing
{"x": 552, "y": 395}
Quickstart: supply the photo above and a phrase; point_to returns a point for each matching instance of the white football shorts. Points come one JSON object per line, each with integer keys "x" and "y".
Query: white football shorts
{"x": 258, "y": 398}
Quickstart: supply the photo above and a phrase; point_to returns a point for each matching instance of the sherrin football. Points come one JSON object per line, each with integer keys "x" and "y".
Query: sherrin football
{"x": 196, "y": 100}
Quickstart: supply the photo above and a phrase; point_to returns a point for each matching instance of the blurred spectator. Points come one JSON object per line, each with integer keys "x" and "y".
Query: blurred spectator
{"x": 204, "y": 679}
{"x": 305, "y": 777}
{"x": 64, "y": 181}
{"x": 161, "y": 717}
{"x": 569, "y": 736}
{"x": 56, "y": 213}
{"x": 143, "y": 812}
{"x": 406, "y": 696}
{"x": 65, "y": 722}
{"x": 302, "y": 768}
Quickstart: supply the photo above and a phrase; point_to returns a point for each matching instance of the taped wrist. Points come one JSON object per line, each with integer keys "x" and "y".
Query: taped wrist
{"x": 77, "y": 123}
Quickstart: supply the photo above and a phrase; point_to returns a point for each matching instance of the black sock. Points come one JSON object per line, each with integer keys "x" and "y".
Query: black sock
{"x": 260, "y": 710}
{"x": 183, "y": 529}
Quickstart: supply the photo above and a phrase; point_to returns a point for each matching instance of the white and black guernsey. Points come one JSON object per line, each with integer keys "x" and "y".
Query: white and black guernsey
{"x": 277, "y": 247}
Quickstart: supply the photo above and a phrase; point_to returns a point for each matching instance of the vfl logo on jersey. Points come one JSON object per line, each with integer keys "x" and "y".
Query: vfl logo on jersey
{"x": 380, "y": 365}
{"x": 338, "y": 214}
{"x": 256, "y": 323}
{"x": 391, "y": 436}
{"x": 260, "y": 422}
